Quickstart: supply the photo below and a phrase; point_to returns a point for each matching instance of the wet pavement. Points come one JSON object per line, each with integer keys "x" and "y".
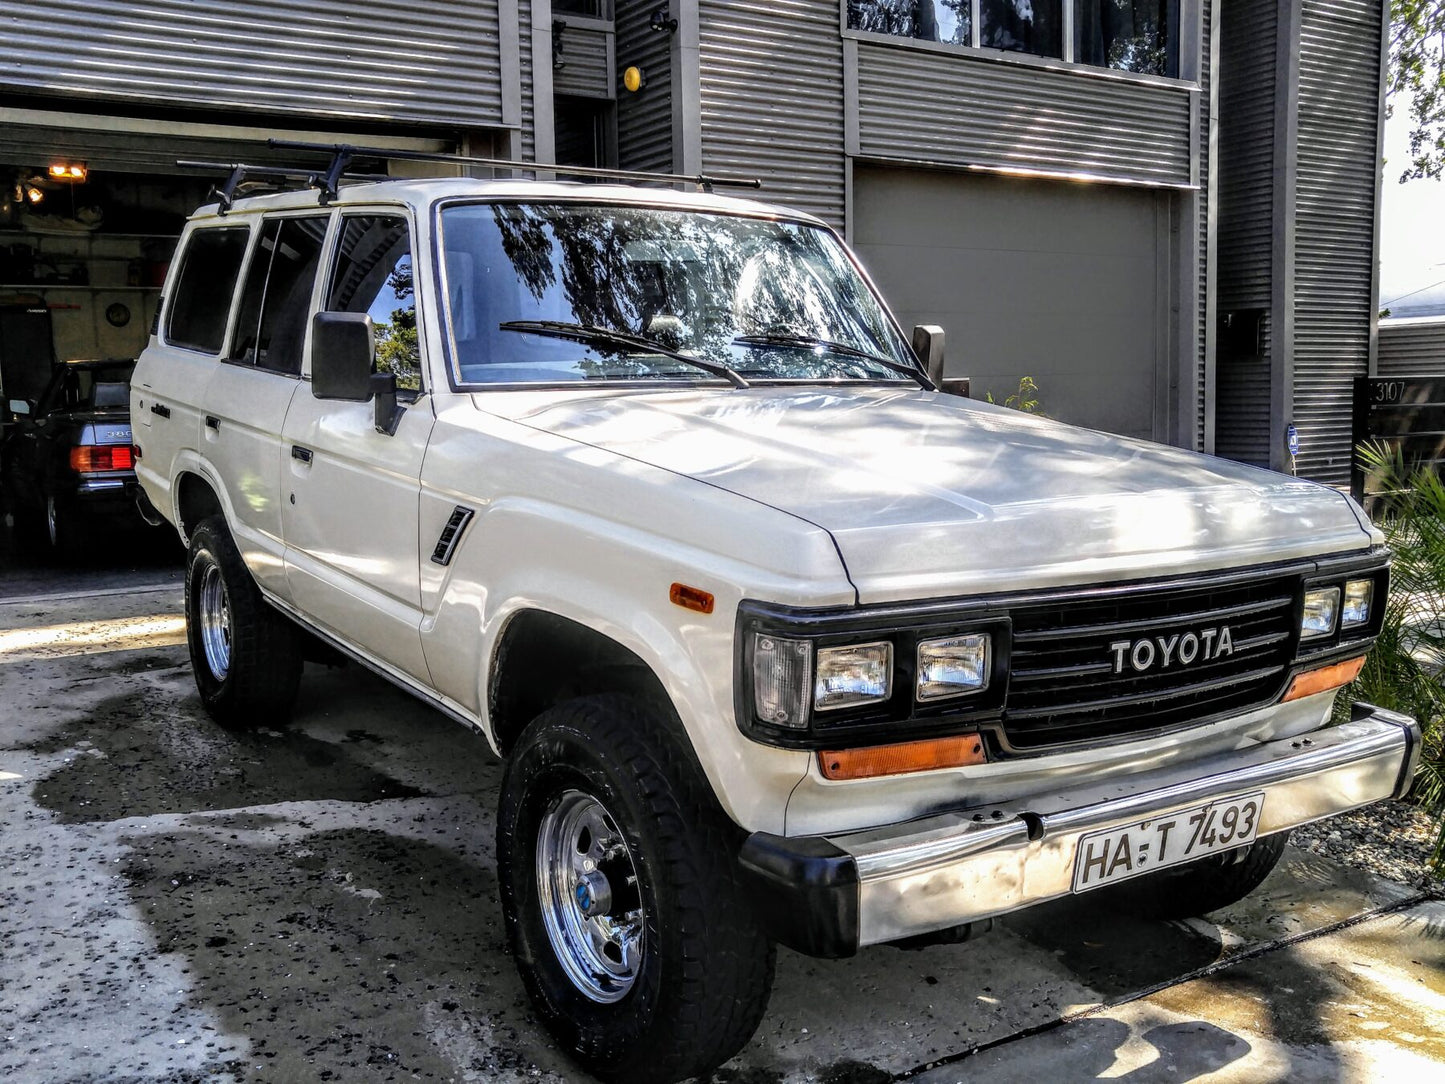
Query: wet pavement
{"x": 178, "y": 902}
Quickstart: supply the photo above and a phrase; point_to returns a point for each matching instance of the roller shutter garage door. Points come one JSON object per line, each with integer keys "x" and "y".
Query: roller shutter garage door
{"x": 1052, "y": 280}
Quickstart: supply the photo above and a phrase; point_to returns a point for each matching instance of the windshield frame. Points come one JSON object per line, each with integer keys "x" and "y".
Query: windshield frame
{"x": 464, "y": 387}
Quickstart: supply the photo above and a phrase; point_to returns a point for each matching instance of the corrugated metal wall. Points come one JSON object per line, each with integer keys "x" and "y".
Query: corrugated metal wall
{"x": 1412, "y": 347}
{"x": 1245, "y": 220}
{"x": 435, "y": 62}
{"x": 529, "y": 103}
{"x": 1206, "y": 74}
{"x": 1339, "y": 79}
{"x": 644, "y": 119}
{"x": 772, "y": 98}
{"x": 959, "y": 110}
{"x": 586, "y": 70}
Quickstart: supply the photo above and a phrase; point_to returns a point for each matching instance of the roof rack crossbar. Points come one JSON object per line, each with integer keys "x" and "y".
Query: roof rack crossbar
{"x": 344, "y": 153}
{"x": 237, "y": 173}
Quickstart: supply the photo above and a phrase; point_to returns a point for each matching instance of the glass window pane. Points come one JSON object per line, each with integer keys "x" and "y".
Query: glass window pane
{"x": 276, "y": 302}
{"x": 931, "y": 20}
{"x": 1023, "y": 26}
{"x": 209, "y": 267}
{"x": 374, "y": 275}
{"x": 1130, "y": 35}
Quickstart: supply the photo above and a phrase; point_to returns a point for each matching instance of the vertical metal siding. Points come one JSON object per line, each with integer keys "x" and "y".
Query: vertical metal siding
{"x": 585, "y": 72}
{"x": 1412, "y": 347}
{"x": 1205, "y": 165}
{"x": 529, "y": 102}
{"x": 772, "y": 98}
{"x": 953, "y": 109}
{"x": 644, "y": 119}
{"x": 374, "y": 59}
{"x": 1245, "y": 226}
{"x": 1339, "y": 75}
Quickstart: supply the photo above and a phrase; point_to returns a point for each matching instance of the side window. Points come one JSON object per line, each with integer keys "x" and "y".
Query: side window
{"x": 276, "y": 301}
{"x": 196, "y": 316}
{"x": 373, "y": 274}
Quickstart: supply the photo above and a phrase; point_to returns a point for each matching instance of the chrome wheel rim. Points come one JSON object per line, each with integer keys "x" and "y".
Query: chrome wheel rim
{"x": 52, "y": 522}
{"x": 214, "y": 613}
{"x": 587, "y": 887}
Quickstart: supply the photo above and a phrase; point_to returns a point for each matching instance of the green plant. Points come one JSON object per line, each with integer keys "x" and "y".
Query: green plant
{"x": 1025, "y": 399}
{"x": 1406, "y": 670}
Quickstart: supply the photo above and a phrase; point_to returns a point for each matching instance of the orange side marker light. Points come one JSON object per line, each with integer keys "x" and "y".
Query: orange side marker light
{"x": 691, "y": 598}
{"x": 911, "y": 756}
{"x": 1324, "y": 679}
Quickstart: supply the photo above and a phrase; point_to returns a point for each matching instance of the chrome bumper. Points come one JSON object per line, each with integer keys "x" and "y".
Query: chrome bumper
{"x": 961, "y": 866}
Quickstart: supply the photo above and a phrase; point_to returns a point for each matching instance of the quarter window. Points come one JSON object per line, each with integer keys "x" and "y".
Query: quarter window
{"x": 374, "y": 275}
{"x": 210, "y": 265}
{"x": 271, "y": 330}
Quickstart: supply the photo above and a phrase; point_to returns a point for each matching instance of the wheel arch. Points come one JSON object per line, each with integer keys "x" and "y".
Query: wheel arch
{"x": 196, "y": 498}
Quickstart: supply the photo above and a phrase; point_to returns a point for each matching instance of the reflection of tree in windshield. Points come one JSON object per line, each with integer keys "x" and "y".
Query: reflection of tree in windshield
{"x": 693, "y": 283}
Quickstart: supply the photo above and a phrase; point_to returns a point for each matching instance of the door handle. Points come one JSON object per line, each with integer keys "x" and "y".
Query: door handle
{"x": 303, "y": 454}
{"x": 162, "y": 411}
{"x": 213, "y": 422}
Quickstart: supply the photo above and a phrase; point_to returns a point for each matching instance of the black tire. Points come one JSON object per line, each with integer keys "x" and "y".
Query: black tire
{"x": 27, "y": 532}
{"x": 64, "y": 531}
{"x": 706, "y": 968}
{"x": 257, "y": 685}
{"x": 1196, "y": 888}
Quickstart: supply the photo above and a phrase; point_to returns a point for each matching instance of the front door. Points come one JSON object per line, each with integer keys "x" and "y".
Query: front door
{"x": 350, "y": 494}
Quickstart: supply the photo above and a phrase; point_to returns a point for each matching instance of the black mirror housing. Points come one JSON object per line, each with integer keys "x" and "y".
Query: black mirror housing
{"x": 343, "y": 353}
{"x": 928, "y": 345}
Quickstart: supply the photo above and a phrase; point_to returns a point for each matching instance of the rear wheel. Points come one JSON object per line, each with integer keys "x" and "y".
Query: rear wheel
{"x": 63, "y": 530}
{"x": 638, "y": 949}
{"x": 1196, "y": 888}
{"x": 246, "y": 656}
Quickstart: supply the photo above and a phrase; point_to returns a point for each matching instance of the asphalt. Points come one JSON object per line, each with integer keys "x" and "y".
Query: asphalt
{"x": 319, "y": 903}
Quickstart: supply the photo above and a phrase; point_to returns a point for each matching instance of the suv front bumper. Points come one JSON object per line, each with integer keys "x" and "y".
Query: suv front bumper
{"x": 827, "y": 896}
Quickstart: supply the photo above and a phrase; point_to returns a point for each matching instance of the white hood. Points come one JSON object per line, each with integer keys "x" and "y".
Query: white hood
{"x": 931, "y": 495}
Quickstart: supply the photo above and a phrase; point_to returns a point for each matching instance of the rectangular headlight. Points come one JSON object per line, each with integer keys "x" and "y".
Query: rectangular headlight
{"x": 1359, "y": 594}
{"x": 1322, "y": 610}
{"x": 953, "y": 666}
{"x": 782, "y": 679}
{"x": 852, "y": 675}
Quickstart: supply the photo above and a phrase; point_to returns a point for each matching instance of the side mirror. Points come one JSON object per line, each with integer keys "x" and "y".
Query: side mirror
{"x": 928, "y": 345}
{"x": 21, "y": 406}
{"x": 343, "y": 352}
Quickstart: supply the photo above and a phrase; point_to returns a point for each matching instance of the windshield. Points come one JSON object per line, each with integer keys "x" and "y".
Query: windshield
{"x": 533, "y": 291}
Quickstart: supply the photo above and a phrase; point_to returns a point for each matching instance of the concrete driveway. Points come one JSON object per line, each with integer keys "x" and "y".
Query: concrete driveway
{"x": 182, "y": 903}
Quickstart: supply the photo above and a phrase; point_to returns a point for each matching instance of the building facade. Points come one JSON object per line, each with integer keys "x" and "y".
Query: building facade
{"x": 1164, "y": 211}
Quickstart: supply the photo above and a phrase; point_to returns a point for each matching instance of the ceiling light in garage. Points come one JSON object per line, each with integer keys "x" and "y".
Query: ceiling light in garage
{"x": 68, "y": 171}
{"x": 33, "y": 194}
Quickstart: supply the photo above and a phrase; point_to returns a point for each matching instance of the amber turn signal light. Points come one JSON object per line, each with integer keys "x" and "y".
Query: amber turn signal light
{"x": 910, "y": 756}
{"x": 1324, "y": 679}
{"x": 691, "y": 598}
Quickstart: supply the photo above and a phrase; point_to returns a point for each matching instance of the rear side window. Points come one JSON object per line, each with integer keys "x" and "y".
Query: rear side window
{"x": 374, "y": 275}
{"x": 196, "y": 316}
{"x": 271, "y": 329}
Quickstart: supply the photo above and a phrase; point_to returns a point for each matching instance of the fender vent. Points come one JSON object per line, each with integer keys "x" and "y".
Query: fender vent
{"x": 451, "y": 535}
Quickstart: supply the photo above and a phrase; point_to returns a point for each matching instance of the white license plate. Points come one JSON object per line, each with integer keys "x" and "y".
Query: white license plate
{"x": 1116, "y": 854}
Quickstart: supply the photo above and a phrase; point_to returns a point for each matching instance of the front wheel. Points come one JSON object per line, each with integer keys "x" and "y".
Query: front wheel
{"x": 635, "y": 943}
{"x": 1196, "y": 888}
{"x": 246, "y": 656}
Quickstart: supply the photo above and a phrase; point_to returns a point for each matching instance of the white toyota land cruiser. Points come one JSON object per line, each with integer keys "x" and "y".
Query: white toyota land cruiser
{"x": 779, "y": 643}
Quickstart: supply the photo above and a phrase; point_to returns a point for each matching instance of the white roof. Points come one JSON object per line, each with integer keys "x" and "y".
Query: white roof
{"x": 423, "y": 192}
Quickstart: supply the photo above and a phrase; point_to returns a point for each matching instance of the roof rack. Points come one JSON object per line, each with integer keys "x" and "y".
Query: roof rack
{"x": 342, "y": 155}
{"x": 238, "y": 173}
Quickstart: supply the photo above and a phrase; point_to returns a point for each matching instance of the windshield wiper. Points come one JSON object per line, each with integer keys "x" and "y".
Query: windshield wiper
{"x": 780, "y": 338}
{"x": 606, "y": 336}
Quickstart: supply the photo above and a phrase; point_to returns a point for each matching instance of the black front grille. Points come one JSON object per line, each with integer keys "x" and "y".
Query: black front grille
{"x": 1065, "y": 683}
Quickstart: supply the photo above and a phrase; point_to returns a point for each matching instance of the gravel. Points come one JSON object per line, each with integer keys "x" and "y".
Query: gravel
{"x": 1391, "y": 839}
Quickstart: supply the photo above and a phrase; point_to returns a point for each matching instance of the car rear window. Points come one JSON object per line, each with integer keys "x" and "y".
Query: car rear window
{"x": 196, "y": 316}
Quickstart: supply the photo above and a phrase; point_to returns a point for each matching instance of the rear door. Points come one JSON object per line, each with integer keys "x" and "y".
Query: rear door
{"x": 250, "y": 391}
{"x": 170, "y": 380}
{"x": 351, "y": 495}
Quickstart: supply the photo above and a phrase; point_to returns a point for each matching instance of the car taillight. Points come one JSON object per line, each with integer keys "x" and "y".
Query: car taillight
{"x": 95, "y": 458}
